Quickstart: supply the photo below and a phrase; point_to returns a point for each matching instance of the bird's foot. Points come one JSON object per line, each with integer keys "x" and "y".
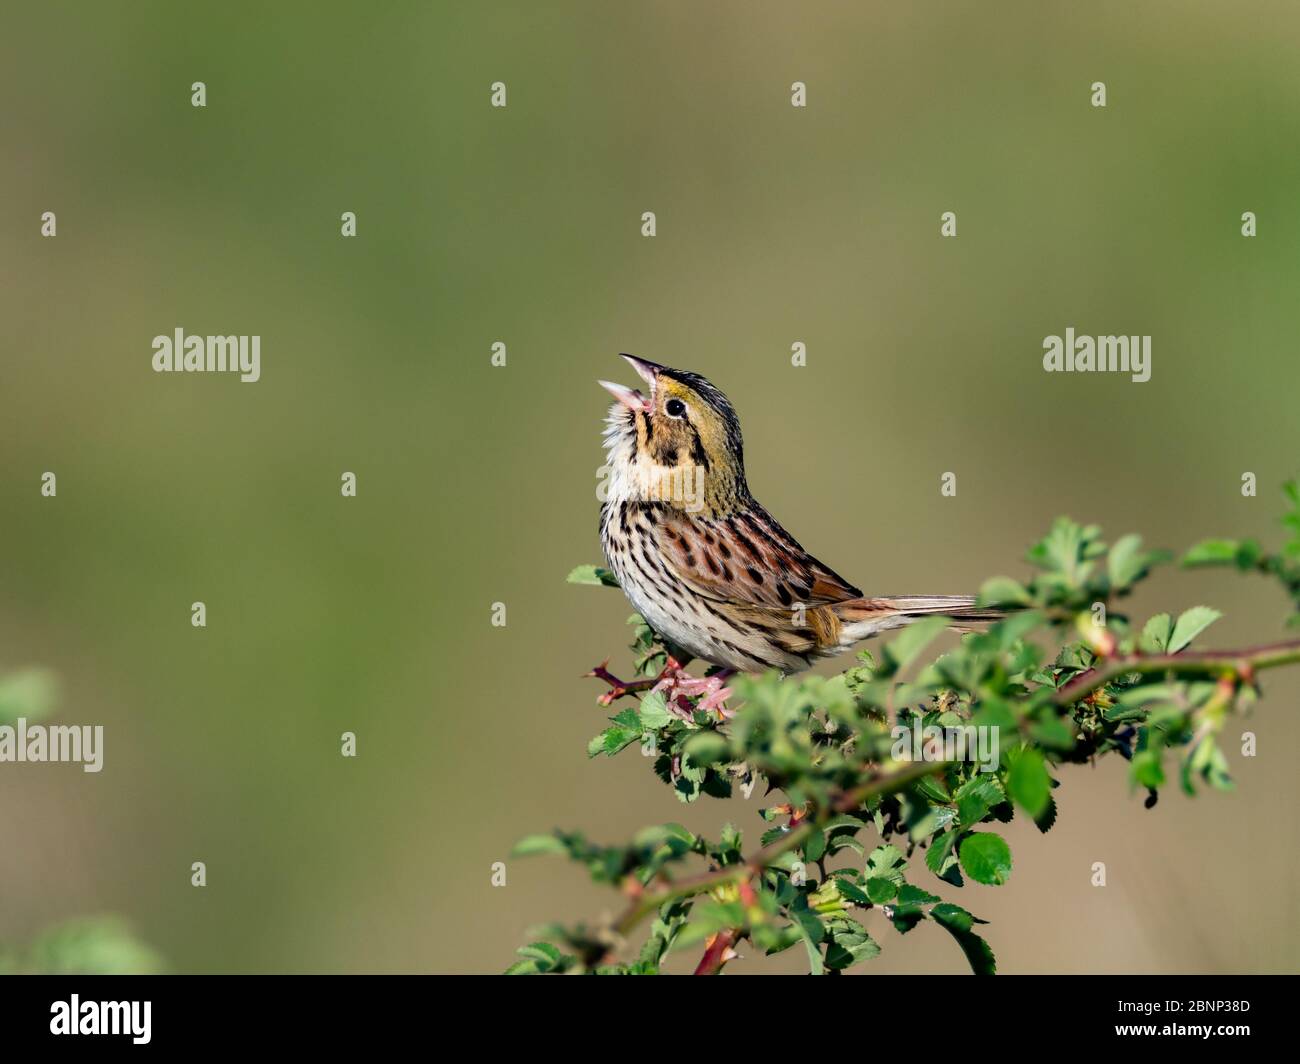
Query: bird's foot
{"x": 678, "y": 687}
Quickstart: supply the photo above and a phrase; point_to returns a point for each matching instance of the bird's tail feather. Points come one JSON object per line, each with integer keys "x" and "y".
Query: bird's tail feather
{"x": 862, "y": 618}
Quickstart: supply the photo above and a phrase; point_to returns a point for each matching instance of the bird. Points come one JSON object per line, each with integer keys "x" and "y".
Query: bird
{"x": 706, "y": 566}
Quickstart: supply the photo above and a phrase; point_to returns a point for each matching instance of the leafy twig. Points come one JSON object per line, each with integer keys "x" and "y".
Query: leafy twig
{"x": 648, "y": 902}
{"x": 1241, "y": 664}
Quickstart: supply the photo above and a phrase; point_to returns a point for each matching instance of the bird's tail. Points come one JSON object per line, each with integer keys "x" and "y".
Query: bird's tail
{"x": 864, "y": 617}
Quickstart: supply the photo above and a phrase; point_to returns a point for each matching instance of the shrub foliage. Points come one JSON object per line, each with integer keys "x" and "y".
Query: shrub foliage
{"x": 853, "y": 819}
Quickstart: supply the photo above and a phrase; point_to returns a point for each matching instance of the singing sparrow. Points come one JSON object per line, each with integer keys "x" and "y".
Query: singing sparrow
{"x": 708, "y": 568}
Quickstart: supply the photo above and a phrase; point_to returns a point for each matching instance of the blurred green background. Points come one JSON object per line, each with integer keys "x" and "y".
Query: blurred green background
{"x": 477, "y": 484}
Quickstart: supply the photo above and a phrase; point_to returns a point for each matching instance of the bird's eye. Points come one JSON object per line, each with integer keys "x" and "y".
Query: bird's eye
{"x": 674, "y": 408}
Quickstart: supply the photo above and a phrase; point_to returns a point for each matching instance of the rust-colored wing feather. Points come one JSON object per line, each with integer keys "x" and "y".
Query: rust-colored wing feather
{"x": 748, "y": 559}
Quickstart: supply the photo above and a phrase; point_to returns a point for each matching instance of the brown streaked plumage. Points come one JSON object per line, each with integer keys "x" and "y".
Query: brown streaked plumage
{"x": 707, "y": 567}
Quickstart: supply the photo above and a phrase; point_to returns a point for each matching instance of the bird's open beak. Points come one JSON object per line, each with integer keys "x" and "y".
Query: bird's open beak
{"x": 647, "y": 371}
{"x": 630, "y": 397}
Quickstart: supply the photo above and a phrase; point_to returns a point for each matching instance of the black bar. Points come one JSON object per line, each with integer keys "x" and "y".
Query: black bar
{"x": 366, "y": 1012}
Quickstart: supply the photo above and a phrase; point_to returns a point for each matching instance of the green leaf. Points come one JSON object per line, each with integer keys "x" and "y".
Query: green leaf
{"x": 1244, "y": 554}
{"x": 815, "y": 848}
{"x": 97, "y": 945}
{"x": 1002, "y": 591}
{"x": 652, "y": 711}
{"x": 1053, "y": 732}
{"x": 1211, "y": 552}
{"x": 593, "y": 574}
{"x": 612, "y": 740}
{"x": 542, "y": 952}
{"x": 886, "y": 862}
{"x": 1155, "y": 634}
{"x": 935, "y": 819}
{"x": 1028, "y": 783}
{"x": 976, "y": 797}
{"x": 1206, "y": 760}
{"x": 27, "y": 693}
{"x": 849, "y": 943}
{"x": 997, "y": 715}
{"x": 1048, "y": 818}
{"x": 939, "y": 857}
{"x": 1127, "y": 562}
{"x": 932, "y": 790}
{"x": 958, "y": 923}
{"x": 674, "y": 836}
{"x": 908, "y": 644}
{"x": 881, "y": 890}
{"x": 1016, "y": 626}
{"x": 1141, "y": 695}
{"x": 531, "y": 845}
{"x": 1145, "y": 769}
{"x": 986, "y": 858}
{"x": 1066, "y": 550}
{"x": 850, "y": 890}
{"x": 812, "y": 933}
{"x": 906, "y": 914}
{"x": 1216, "y": 771}
{"x": 706, "y": 748}
{"x": 910, "y": 895}
{"x": 1191, "y": 623}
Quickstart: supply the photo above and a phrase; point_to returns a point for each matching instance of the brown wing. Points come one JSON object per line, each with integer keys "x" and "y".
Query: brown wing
{"x": 746, "y": 558}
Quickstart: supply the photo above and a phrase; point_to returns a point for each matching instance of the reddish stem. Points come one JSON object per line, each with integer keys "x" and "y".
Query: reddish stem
{"x": 717, "y": 952}
{"x": 618, "y": 688}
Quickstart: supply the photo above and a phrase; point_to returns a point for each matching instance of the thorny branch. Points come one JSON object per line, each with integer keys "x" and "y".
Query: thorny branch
{"x": 1236, "y": 665}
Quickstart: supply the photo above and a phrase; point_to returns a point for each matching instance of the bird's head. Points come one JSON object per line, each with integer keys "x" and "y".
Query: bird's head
{"x": 680, "y": 444}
